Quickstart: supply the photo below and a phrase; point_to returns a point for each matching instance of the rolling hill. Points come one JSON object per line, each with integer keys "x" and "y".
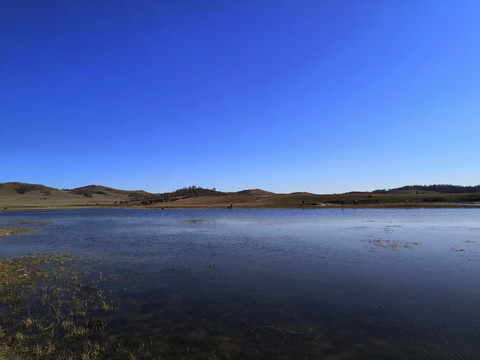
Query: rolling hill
{"x": 17, "y": 195}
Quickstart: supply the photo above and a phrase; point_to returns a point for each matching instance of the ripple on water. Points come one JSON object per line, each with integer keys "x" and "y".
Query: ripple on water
{"x": 267, "y": 284}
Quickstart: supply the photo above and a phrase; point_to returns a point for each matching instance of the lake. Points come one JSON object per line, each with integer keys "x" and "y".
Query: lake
{"x": 263, "y": 284}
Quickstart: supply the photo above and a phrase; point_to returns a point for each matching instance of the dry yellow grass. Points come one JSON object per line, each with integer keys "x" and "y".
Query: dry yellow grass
{"x": 315, "y": 201}
{"x": 18, "y": 196}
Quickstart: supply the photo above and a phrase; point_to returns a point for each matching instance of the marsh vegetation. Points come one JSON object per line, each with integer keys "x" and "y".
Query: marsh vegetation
{"x": 54, "y": 307}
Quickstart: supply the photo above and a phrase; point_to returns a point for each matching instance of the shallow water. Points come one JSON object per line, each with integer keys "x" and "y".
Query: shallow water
{"x": 306, "y": 284}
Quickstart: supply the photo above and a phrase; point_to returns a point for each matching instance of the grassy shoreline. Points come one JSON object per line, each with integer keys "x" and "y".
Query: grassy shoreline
{"x": 243, "y": 205}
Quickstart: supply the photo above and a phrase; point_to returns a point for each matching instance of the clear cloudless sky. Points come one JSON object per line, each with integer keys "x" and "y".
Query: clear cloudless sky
{"x": 321, "y": 96}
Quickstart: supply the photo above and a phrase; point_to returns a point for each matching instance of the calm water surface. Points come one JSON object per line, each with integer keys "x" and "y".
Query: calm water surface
{"x": 306, "y": 284}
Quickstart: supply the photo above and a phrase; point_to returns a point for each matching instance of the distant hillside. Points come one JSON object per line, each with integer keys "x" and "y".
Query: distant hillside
{"x": 23, "y": 188}
{"x": 196, "y": 191}
{"x": 254, "y": 192}
{"x": 440, "y": 188}
{"x": 90, "y": 190}
{"x": 17, "y": 195}
{"x": 34, "y": 196}
{"x": 184, "y": 193}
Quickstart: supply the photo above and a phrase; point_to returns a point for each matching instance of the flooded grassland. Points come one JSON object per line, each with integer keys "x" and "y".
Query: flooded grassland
{"x": 257, "y": 284}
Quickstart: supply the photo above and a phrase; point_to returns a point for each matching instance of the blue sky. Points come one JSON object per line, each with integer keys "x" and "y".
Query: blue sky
{"x": 319, "y": 96}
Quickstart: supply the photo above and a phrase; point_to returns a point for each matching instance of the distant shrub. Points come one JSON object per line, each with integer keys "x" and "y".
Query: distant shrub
{"x": 22, "y": 189}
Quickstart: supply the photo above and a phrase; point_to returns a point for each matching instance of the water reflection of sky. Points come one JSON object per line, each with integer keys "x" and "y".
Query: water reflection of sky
{"x": 406, "y": 278}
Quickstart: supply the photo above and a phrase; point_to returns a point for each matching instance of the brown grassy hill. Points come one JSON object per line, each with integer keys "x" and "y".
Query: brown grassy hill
{"x": 313, "y": 201}
{"x": 90, "y": 190}
{"x": 254, "y": 192}
{"x": 16, "y": 195}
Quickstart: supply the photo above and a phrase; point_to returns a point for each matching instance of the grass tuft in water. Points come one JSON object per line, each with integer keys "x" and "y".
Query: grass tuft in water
{"x": 61, "y": 292}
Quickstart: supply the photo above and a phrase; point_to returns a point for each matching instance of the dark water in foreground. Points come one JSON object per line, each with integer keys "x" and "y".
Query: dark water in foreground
{"x": 259, "y": 284}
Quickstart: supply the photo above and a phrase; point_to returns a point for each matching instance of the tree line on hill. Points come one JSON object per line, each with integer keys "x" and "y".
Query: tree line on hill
{"x": 186, "y": 192}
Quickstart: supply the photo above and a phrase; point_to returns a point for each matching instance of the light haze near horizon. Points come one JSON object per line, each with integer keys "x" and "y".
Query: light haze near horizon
{"x": 319, "y": 96}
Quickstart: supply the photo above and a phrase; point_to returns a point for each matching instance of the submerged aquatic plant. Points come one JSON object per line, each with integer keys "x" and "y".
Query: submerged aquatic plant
{"x": 67, "y": 325}
{"x": 55, "y": 289}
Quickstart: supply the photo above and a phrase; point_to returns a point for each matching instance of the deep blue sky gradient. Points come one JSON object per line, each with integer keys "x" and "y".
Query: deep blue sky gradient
{"x": 320, "y": 96}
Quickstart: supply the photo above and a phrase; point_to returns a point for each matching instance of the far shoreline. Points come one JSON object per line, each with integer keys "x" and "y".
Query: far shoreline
{"x": 23, "y": 197}
{"x": 246, "y": 207}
